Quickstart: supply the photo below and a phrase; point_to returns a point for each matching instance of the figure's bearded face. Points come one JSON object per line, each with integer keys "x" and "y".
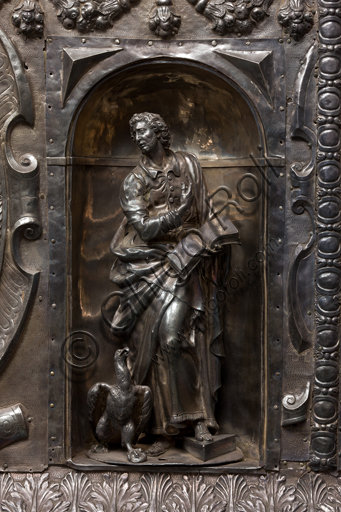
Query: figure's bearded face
{"x": 145, "y": 137}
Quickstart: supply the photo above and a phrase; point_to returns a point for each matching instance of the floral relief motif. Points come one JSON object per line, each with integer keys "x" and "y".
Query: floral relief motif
{"x": 163, "y": 20}
{"x": 157, "y": 491}
{"x": 311, "y": 493}
{"x": 28, "y": 17}
{"x": 236, "y": 16}
{"x": 232, "y": 491}
{"x": 297, "y": 16}
{"x": 116, "y": 492}
{"x": 270, "y": 494}
{"x": 35, "y": 494}
{"x": 92, "y": 14}
{"x": 115, "y": 495}
{"x": 76, "y": 489}
{"x": 193, "y": 495}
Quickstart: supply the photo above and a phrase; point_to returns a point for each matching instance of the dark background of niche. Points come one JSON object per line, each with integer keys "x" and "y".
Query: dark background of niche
{"x": 208, "y": 117}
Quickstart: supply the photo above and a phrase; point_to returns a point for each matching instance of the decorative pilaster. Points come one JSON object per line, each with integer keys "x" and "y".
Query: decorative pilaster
{"x": 328, "y": 264}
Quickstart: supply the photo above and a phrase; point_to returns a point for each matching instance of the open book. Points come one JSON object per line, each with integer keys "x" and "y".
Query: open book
{"x": 213, "y": 235}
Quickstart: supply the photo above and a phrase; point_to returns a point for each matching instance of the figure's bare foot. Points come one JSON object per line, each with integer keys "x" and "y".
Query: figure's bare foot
{"x": 136, "y": 455}
{"x": 202, "y": 433}
{"x": 159, "y": 447}
{"x": 99, "y": 448}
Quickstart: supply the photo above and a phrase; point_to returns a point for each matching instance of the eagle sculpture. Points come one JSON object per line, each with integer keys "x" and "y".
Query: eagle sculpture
{"x": 119, "y": 413}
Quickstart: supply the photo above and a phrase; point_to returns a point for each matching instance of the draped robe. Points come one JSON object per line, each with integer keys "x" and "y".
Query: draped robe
{"x": 172, "y": 325}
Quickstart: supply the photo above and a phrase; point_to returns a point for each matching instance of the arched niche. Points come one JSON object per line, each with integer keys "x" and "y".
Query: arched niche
{"x": 206, "y": 115}
{"x": 211, "y": 118}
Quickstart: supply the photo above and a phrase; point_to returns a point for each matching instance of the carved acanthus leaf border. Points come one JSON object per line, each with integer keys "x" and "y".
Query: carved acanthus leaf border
{"x": 120, "y": 492}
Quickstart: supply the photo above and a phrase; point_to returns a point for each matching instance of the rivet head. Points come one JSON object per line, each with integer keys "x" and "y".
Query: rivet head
{"x": 281, "y": 174}
{"x": 150, "y": 43}
{"x": 83, "y": 40}
{"x": 276, "y": 407}
{"x": 301, "y": 464}
{"x": 54, "y": 306}
{"x": 180, "y": 43}
{"x": 5, "y": 466}
{"x": 280, "y": 40}
{"x": 52, "y": 373}
{"x": 51, "y": 141}
{"x": 117, "y": 41}
{"x": 53, "y": 438}
{"x": 214, "y": 43}
{"x": 40, "y": 298}
{"x": 276, "y": 440}
{"x": 51, "y": 173}
{"x": 279, "y": 240}
{"x": 281, "y": 109}
{"x": 52, "y": 406}
{"x": 29, "y": 419}
{"x": 51, "y": 207}
{"x": 53, "y": 241}
{"x": 280, "y": 208}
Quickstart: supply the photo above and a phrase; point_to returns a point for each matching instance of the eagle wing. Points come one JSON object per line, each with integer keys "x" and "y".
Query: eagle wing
{"x": 97, "y": 401}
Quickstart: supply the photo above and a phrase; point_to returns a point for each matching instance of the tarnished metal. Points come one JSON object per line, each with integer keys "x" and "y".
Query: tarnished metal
{"x": 325, "y": 405}
{"x": 245, "y": 153}
{"x": 120, "y": 413}
{"x": 171, "y": 247}
{"x": 241, "y": 98}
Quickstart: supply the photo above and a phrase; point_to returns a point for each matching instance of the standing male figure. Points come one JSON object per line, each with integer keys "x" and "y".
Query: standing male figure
{"x": 172, "y": 325}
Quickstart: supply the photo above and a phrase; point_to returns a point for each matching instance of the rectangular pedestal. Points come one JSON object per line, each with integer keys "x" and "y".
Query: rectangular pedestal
{"x": 221, "y": 444}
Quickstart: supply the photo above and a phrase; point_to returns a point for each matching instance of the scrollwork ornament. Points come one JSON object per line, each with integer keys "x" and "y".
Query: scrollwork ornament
{"x": 28, "y": 17}
{"x": 19, "y": 178}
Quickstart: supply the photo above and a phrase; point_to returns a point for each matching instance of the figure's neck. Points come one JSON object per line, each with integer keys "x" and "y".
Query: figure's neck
{"x": 157, "y": 155}
{"x": 123, "y": 380}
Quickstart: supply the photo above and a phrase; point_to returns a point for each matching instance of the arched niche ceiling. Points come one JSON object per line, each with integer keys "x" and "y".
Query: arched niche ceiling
{"x": 206, "y": 115}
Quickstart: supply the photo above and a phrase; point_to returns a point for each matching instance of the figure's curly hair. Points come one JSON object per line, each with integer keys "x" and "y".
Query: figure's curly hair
{"x": 155, "y": 122}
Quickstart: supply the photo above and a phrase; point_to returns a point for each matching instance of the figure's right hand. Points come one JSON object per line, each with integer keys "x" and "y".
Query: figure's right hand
{"x": 186, "y": 199}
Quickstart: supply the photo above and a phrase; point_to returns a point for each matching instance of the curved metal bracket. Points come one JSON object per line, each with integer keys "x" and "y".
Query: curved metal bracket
{"x": 301, "y": 337}
{"x": 27, "y": 167}
{"x": 17, "y": 282}
{"x": 295, "y": 407}
{"x": 299, "y": 172}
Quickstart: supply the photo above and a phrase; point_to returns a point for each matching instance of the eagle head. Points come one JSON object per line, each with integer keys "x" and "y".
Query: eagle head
{"x": 121, "y": 354}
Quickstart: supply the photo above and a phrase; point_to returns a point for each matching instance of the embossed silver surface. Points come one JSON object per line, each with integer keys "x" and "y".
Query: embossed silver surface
{"x": 243, "y": 97}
